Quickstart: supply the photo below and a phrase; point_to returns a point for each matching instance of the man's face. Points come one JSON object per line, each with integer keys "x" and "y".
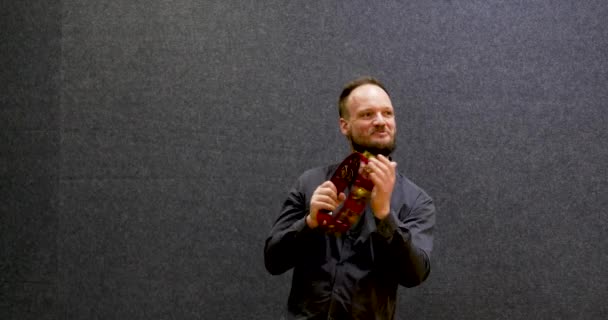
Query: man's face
{"x": 370, "y": 122}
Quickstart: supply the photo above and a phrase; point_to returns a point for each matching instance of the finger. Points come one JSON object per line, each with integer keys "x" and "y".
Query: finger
{"x": 387, "y": 161}
{"x": 387, "y": 165}
{"x": 383, "y": 159}
{"x": 377, "y": 178}
{"x": 362, "y": 167}
{"x": 325, "y": 199}
{"x": 383, "y": 174}
{"x": 379, "y": 162}
{"x": 325, "y": 191}
{"x": 329, "y": 185}
{"x": 325, "y": 208}
{"x": 319, "y": 205}
{"x": 379, "y": 167}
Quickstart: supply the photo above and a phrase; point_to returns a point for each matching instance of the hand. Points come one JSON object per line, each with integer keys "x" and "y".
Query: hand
{"x": 324, "y": 197}
{"x": 382, "y": 173}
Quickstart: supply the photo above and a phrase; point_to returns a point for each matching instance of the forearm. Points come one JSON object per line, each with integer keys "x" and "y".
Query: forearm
{"x": 411, "y": 263}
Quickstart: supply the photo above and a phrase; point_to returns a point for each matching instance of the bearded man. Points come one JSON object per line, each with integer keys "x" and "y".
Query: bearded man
{"x": 355, "y": 274}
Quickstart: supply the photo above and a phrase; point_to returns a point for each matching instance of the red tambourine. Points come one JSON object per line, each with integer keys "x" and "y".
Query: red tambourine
{"x": 357, "y": 186}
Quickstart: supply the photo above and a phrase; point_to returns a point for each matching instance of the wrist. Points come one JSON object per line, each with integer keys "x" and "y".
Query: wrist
{"x": 381, "y": 209}
{"x": 311, "y": 222}
{"x": 382, "y": 214}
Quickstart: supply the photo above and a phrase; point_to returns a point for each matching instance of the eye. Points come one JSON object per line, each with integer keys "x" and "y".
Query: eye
{"x": 388, "y": 114}
{"x": 367, "y": 114}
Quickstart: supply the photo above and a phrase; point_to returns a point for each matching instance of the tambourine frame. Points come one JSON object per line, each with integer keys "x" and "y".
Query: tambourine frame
{"x": 357, "y": 186}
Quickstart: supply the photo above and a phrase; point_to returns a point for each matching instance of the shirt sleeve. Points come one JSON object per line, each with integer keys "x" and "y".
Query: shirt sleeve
{"x": 287, "y": 236}
{"x": 406, "y": 236}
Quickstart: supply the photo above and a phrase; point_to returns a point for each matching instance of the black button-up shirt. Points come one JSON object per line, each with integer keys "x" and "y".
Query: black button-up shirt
{"x": 355, "y": 275}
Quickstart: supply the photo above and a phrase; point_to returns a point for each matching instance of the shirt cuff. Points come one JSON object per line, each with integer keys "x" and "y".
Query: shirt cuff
{"x": 301, "y": 227}
{"x": 387, "y": 226}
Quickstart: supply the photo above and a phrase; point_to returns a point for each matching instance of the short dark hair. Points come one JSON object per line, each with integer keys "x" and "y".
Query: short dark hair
{"x": 349, "y": 87}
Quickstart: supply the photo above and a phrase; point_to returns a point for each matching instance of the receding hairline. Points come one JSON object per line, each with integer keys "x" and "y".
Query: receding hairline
{"x": 351, "y": 86}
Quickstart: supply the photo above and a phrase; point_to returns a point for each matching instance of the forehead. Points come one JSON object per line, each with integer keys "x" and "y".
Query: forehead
{"x": 368, "y": 96}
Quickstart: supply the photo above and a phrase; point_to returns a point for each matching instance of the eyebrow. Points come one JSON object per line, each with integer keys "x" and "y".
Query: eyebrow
{"x": 383, "y": 108}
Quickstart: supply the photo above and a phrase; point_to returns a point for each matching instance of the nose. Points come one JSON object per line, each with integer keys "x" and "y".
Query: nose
{"x": 379, "y": 119}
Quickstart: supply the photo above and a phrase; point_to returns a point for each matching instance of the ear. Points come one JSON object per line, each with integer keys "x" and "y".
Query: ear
{"x": 344, "y": 126}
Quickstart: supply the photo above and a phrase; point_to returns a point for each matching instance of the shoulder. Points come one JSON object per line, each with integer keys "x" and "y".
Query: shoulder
{"x": 413, "y": 203}
{"x": 317, "y": 175}
{"x": 410, "y": 191}
{"x": 310, "y": 179}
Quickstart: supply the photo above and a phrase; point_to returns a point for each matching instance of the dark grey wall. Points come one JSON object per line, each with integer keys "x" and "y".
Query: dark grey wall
{"x": 147, "y": 147}
{"x": 30, "y": 55}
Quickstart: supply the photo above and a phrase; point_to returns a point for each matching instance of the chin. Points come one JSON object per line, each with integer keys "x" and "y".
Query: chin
{"x": 384, "y": 145}
{"x": 375, "y": 148}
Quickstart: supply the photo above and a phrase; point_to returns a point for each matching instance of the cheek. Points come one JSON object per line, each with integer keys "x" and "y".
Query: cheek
{"x": 361, "y": 130}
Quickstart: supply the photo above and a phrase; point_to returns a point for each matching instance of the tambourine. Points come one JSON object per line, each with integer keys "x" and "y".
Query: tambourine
{"x": 357, "y": 187}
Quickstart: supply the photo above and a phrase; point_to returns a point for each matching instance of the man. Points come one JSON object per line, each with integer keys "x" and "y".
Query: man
{"x": 354, "y": 275}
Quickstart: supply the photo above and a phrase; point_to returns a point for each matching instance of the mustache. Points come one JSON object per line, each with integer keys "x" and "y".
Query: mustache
{"x": 380, "y": 130}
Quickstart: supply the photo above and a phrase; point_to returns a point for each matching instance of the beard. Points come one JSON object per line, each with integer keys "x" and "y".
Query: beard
{"x": 373, "y": 148}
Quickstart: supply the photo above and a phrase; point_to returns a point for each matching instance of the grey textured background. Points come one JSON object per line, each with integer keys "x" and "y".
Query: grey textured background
{"x": 147, "y": 146}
